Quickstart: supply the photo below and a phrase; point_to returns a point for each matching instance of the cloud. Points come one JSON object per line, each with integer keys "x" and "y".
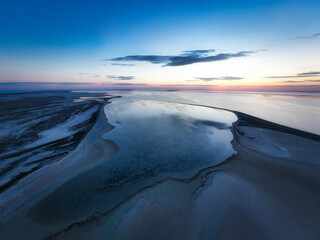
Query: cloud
{"x": 186, "y": 58}
{"x": 208, "y": 79}
{"x": 290, "y": 81}
{"x": 311, "y": 36}
{"x": 198, "y": 52}
{"x": 114, "y": 77}
{"x": 300, "y": 81}
{"x": 89, "y": 74}
{"x": 122, "y": 64}
{"x": 309, "y": 74}
{"x": 312, "y": 80}
{"x": 43, "y": 83}
{"x": 299, "y": 75}
{"x": 127, "y": 84}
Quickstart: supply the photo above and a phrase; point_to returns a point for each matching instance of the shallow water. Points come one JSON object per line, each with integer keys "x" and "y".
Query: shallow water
{"x": 178, "y": 171}
{"x": 158, "y": 142}
{"x": 292, "y": 109}
{"x": 158, "y": 138}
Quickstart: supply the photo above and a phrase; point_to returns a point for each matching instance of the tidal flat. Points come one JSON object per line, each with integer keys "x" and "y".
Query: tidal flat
{"x": 161, "y": 168}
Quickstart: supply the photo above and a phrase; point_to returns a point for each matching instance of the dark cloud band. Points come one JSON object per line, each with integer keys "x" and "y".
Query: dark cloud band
{"x": 186, "y": 58}
{"x": 43, "y": 83}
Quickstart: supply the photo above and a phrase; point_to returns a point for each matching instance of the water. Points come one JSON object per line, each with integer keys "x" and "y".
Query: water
{"x": 159, "y": 138}
{"x": 296, "y": 109}
{"x": 180, "y": 173}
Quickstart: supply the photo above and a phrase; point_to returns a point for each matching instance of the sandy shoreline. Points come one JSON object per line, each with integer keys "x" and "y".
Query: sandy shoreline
{"x": 81, "y": 159}
{"x": 259, "y": 193}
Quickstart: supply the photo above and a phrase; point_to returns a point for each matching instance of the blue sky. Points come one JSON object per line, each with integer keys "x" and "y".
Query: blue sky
{"x": 69, "y": 41}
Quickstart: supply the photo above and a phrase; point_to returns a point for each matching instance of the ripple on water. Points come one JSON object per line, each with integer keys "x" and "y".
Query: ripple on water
{"x": 158, "y": 139}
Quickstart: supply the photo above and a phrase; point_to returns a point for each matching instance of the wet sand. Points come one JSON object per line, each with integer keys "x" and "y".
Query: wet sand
{"x": 249, "y": 196}
{"x": 90, "y": 152}
{"x": 269, "y": 189}
{"x": 41, "y": 128}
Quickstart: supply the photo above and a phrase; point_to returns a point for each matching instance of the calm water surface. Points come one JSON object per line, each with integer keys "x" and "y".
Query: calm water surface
{"x": 159, "y": 138}
{"x": 296, "y": 109}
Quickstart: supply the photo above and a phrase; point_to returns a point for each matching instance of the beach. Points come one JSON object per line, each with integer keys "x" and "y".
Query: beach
{"x": 152, "y": 169}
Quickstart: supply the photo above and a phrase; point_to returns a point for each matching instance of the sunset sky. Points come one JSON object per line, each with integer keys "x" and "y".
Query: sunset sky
{"x": 218, "y": 45}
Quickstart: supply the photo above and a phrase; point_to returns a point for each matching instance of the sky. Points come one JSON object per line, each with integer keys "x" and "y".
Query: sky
{"x": 214, "y": 45}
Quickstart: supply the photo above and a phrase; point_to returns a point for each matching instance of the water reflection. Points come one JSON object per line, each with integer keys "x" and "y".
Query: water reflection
{"x": 158, "y": 139}
{"x": 293, "y": 109}
{"x": 157, "y": 142}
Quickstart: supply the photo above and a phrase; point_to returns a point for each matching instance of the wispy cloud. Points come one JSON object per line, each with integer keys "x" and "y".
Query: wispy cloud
{"x": 185, "y": 58}
{"x": 123, "y": 64}
{"x": 312, "y": 80}
{"x": 89, "y": 74}
{"x": 44, "y": 83}
{"x": 309, "y": 74}
{"x": 127, "y": 84}
{"x": 299, "y": 75}
{"x": 209, "y": 79}
{"x": 311, "y": 36}
{"x": 115, "y": 77}
{"x": 302, "y": 81}
{"x": 198, "y": 51}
